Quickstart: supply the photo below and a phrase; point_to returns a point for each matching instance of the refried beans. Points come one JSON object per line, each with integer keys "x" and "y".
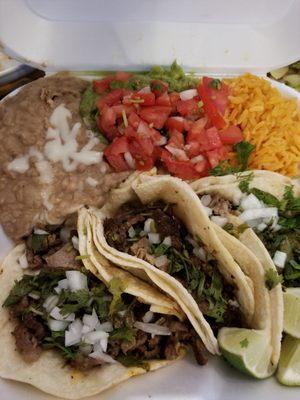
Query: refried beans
{"x": 27, "y": 198}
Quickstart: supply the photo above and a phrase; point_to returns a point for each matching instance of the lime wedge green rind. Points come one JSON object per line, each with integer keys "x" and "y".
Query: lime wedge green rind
{"x": 247, "y": 350}
{"x": 289, "y": 364}
{"x": 291, "y": 324}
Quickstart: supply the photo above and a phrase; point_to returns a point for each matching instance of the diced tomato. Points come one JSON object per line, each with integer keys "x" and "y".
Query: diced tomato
{"x": 193, "y": 148}
{"x": 144, "y": 130}
{"x": 163, "y": 100}
{"x": 112, "y": 98}
{"x": 174, "y": 98}
{"x": 177, "y": 123}
{"x": 158, "y": 87}
{"x": 196, "y": 129}
{"x": 213, "y": 157}
{"x": 176, "y": 139}
{"x": 148, "y": 98}
{"x": 107, "y": 121}
{"x": 115, "y": 154}
{"x": 187, "y": 107}
{"x": 218, "y": 95}
{"x": 231, "y": 135}
{"x": 213, "y": 138}
{"x": 181, "y": 169}
{"x": 134, "y": 120}
{"x": 122, "y": 76}
{"x": 103, "y": 85}
{"x": 141, "y": 148}
{"x": 223, "y": 152}
{"x": 156, "y": 115}
{"x": 118, "y": 109}
{"x": 202, "y": 167}
{"x": 210, "y": 108}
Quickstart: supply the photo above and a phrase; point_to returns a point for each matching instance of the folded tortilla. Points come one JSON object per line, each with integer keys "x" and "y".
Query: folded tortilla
{"x": 228, "y": 188}
{"x": 50, "y": 373}
{"x": 189, "y": 210}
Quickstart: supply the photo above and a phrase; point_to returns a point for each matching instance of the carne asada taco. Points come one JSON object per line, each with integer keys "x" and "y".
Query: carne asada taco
{"x": 156, "y": 228}
{"x": 73, "y": 331}
{"x": 262, "y": 210}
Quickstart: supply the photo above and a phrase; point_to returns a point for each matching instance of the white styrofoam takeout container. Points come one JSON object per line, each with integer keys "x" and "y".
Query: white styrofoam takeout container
{"x": 218, "y": 37}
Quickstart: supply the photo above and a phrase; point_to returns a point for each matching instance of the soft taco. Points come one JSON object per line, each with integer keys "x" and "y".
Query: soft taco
{"x": 262, "y": 210}
{"x": 156, "y": 228}
{"x": 72, "y": 330}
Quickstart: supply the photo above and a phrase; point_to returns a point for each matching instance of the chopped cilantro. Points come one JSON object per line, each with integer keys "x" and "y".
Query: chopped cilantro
{"x": 235, "y": 231}
{"x": 215, "y": 84}
{"x": 116, "y": 288}
{"x": 244, "y": 182}
{"x": 124, "y": 333}
{"x": 272, "y": 278}
{"x": 244, "y": 343}
{"x": 243, "y": 151}
{"x": 72, "y": 302}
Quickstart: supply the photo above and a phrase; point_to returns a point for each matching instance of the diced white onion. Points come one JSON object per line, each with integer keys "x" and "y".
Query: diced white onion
{"x": 276, "y": 228}
{"x": 178, "y": 153}
{"x": 188, "y": 94}
{"x": 251, "y": 202}
{"x": 197, "y": 159}
{"x": 192, "y": 241}
{"x": 161, "y": 261}
{"x": 206, "y": 200}
{"x": 86, "y": 329}
{"x": 64, "y": 234}
{"x": 37, "y": 231}
{"x": 148, "y": 317}
{"x": 105, "y": 327}
{"x": 34, "y": 296}
{"x": 129, "y": 159}
{"x": 154, "y": 238}
{"x": 63, "y": 284}
{"x": 91, "y": 320}
{"x": 74, "y": 333}
{"x": 55, "y": 313}
{"x": 162, "y": 141}
{"x": 143, "y": 233}
{"x": 200, "y": 252}
{"x": 75, "y": 242}
{"x": 57, "y": 326}
{"x": 261, "y": 227}
{"x": 256, "y": 213}
{"x": 93, "y": 337}
{"x": 279, "y": 259}
{"x": 221, "y": 221}
{"x": 208, "y": 211}
{"x": 85, "y": 348}
{"x": 149, "y": 225}
{"x": 23, "y": 261}
{"x": 77, "y": 280}
{"x": 145, "y": 89}
{"x": 102, "y": 357}
{"x": 91, "y": 181}
{"x": 167, "y": 241}
{"x": 50, "y": 302}
{"x": 154, "y": 329}
{"x": 131, "y": 232}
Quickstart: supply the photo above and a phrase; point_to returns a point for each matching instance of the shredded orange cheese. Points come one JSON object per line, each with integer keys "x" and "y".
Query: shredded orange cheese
{"x": 269, "y": 121}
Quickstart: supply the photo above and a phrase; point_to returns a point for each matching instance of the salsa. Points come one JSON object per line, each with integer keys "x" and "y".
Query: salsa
{"x": 162, "y": 117}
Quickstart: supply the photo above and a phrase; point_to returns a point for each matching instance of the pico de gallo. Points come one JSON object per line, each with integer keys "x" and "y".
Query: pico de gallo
{"x": 163, "y": 117}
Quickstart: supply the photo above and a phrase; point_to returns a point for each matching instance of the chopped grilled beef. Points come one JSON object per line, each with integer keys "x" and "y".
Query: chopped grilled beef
{"x": 219, "y": 205}
{"x": 141, "y": 249}
{"x": 200, "y": 351}
{"x": 63, "y": 258}
{"x": 35, "y": 261}
{"x": 27, "y": 344}
{"x": 34, "y": 326}
{"x": 84, "y": 363}
{"x": 168, "y": 225}
{"x": 18, "y": 309}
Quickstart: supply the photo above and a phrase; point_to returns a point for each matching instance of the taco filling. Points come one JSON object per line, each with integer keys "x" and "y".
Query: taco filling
{"x": 153, "y": 233}
{"x": 276, "y": 222}
{"x": 60, "y": 305}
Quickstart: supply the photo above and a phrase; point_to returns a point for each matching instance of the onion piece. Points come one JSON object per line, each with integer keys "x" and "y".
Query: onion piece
{"x": 200, "y": 253}
{"x": 34, "y": 296}
{"x": 261, "y": 227}
{"x": 85, "y": 348}
{"x": 251, "y": 201}
{"x": 206, "y": 200}
{"x": 167, "y": 241}
{"x": 50, "y": 302}
{"x": 220, "y": 221}
{"x": 149, "y": 225}
{"x": 93, "y": 337}
{"x": 37, "y": 231}
{"x": 105, "y": 327}
{"x": 91, "y": 320}
{"x": 65, "y": 233}
{"x": 131, "y": 232}
{"x": 197, "y": 159}
{"x": 148, "y": 317}
{"x": 75, "y": 242}
{"x": 57, "y": 326}
{"x": 154, "y": 238}
{"x": 102, "y": 357}
{"x": 129, "y": 159}
{"x": 256, "y": 213}
{"x": 188, "y": 94}
{"x": 23, "y": 261}
{"x": 162, "y": 141}
{"x": 62, "y": 285}
{"x": 55, "y": 313}
{"x": 177, "y": 153}
{"x": 77, "y": 280}
{"x": 161, "y": 261}
{"x": 208, "y": 211}
{"x": 154, "y": 329}
{"x": 145, "y": 89}
{"x": 279, "y": 259}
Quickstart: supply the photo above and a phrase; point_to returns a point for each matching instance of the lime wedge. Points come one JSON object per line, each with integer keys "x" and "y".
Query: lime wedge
{"x": 289, "y": 364}
{"x": 291, "y": 322}
{"x": 248, "y": 350}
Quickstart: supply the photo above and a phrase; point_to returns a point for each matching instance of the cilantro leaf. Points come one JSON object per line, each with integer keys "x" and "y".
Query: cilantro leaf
{"x": 266, "y": 197}
{"x": 243, "y": 151}
{"x": 244, "y": 182}
{"x": 72, "y": 302}
{"x": 124, "y": 333}
{"x": 292, "y": 202}
{"x": 272, "y": 278}
{"x": 244, "y": 343}
{"x": 223, "y": 168}
{"x": 116, "y": 288}
{"x": 20, "y": 289}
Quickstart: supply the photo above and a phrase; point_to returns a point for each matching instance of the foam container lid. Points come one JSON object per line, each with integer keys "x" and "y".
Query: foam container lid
{"x": 214, "y": 36}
